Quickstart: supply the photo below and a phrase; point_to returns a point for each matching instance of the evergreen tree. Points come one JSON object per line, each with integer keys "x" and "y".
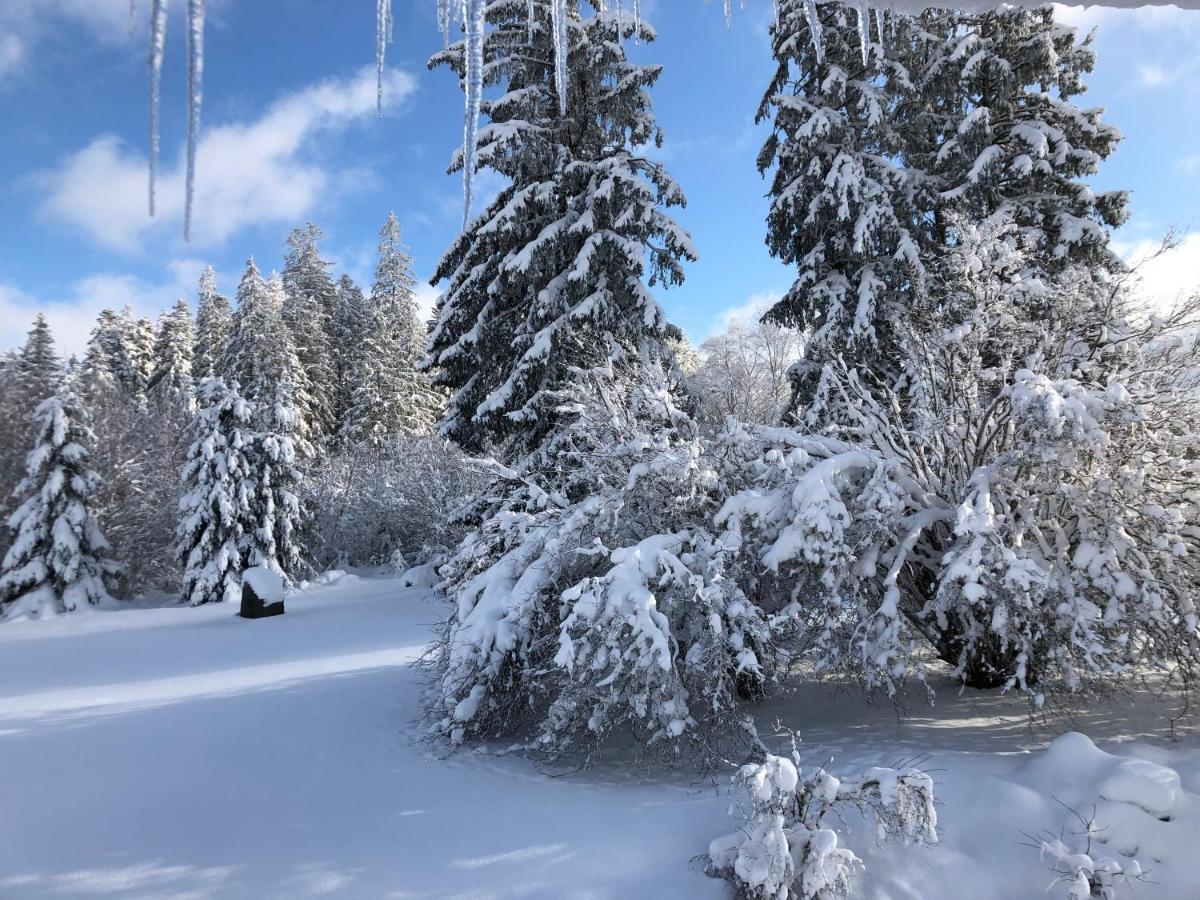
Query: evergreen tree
{"x": 845, "y": 205}
{"x": 213, "y": 326}
{"x": 1010, "y": 138}
{"x": 139, "y": 362}
{"x": 391, "y": 395}
{"x": 171, "y": 381}
{"x": 260, "y": 355}
{"x": 59, "y": 561}
{"x": 348, "y": 331}
{"x": 37, "y": 370}
{"x": 219, "y": 491}
{"x": 311, "y": 298}
{"x": 277, "y": 510}
{"x": 566, "y": 253}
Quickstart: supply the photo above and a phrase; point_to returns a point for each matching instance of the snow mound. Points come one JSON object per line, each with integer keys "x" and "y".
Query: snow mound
{"x": 424, "y": 576}
{"x": 1144, "y": 784}
{"x": 330, "y": 576}
{"x": 266, "y": 584}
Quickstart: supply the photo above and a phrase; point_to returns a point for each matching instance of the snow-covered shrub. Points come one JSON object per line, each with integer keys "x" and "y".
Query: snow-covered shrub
{"x": 1080, "y": 871}
{"x": 1025, "y": 503}
{"x": 785, "y": 849}
{"x": 370, "y": 503}
{"x": 58, "y": 561}
{"x": 592, "y": 594}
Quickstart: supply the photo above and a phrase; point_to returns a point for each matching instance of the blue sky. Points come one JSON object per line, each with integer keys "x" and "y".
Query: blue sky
{"x": 291, "y": 135}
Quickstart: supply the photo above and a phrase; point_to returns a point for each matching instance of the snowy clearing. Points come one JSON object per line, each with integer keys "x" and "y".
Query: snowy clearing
{"x": 186, "y": 752}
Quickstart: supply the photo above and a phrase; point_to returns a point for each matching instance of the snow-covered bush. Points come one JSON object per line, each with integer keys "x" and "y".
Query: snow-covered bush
{"x": 592, "y": 594}
{"x": 785, "y": 850}
{"x": 58, "y": 561}
{"x": 370, "y": 503}
{"x": 1024, "y": 504}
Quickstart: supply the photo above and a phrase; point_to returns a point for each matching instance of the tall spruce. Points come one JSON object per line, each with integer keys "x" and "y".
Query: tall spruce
{"x": 845, "y": 205}
{"x": 276, "y": 508}
{"x": 348, "y": 332}
{"x": 214, "y": 322}
{"x": 58, "y": 561}
{"x": 219, "y": 488}
{"x": 391, "y": 396}
{"x": 170, "y": 384}
{"x": 311, "y": 298}
{"x": 37, "y": 368}
{"x": 566, "y": 254}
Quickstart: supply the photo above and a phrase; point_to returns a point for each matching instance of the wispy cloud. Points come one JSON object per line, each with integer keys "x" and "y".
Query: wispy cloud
{"x": 73, "y": 314}
{"x": 1163, "y": 279}
{"x": 266, "y": 171}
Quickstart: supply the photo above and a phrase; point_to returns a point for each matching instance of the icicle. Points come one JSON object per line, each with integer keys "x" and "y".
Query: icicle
{"x": 195, "y": 89}
{"x": 530, "y": 21}
{"x": 864, "y": 29}
{"x": 562, "y": 47}
{"x": 473, "y": 77}
{"x": 728, "y": 14}
{"x": 158, "y": 42}
{"x": 814, "y": 26}
{"x": 775, "y": 12}
{"x": 637, "y": 21}
{"x": 879, "y": 25}
{"x": 443, "y": 21}
{"x": 383, "y": 37}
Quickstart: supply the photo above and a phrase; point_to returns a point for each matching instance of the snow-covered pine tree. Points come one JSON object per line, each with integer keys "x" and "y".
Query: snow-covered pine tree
{"x": 219, "y": 490}
{"x": 37, "y": 369}
{"x": 276, "y": 508}
{"x": 260, "y": 355}
{"x": 59, "y": 561}
{"x": 845, "y": 203}
{"x": 1010, "y": 137}
{"x": 139, "y": 355}
{"x": 311, "y": 298}
{"x": 391, "y": 396}
{"x": 566, "y": 253}
{"x": 348, "y": 329}
{"x": 170, "y": 385}
{"x": 214, "y": 323}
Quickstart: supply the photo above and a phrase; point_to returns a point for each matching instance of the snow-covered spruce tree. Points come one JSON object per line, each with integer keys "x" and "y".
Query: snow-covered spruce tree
{"x": 568, "y": 250}
{"x": 311, "y": 298}
{"x": 1032, "y": 524}
{"x": 214, "y": 323}
{"x": 1009, "y": 138}
{"x": 59, "y": 561}
{"x": 260, "y": 355}
{"x": 845, "y": 203}
{"x": 391, "y": 396}
{"x": 348, "y": 328}
{"x": 120, "y": 354}
{"x": 217, "y": 516}
{"x": 37, "y": 369}
{"x": 170, "y": 384}
{"x": 590, "y": 596}
{"x": 275, "y": 506}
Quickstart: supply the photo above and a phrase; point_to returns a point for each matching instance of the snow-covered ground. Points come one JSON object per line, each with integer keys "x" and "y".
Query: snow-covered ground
{"x": 189, "y": 753}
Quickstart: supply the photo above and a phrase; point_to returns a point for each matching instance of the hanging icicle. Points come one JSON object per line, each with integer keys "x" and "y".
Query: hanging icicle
{"x": 637, "y": 21}
{"x": 443, "y": 21}
{"x": 473, "y": 78}
{"x": 530, "y": 22}
{"x": 562, "y": 48}
{"x": 814, "y": 26}
{"x": 195, "y": 92}
{"x": 728, "y": 13}
{"x": 864, "y": 30}
{"x": 879, "y": 26}
{"x": 158, "y": 42}
{"x": 383, "y": 37}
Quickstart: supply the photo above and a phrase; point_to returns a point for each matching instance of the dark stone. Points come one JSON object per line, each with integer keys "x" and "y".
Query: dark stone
{"x": 254, "y": 608}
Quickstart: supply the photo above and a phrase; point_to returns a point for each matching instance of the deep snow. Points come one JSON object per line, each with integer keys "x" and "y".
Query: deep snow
{"x": 187, "y": 752}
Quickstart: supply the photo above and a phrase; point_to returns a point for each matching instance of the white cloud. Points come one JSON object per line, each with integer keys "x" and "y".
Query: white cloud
{"x": 427, "y": 296}
{"x": 1165, "y": 279}
{"x": 749, "y": 310}
{"x": 12, "y": 54}
{"x": 261, "y": 172}
{"x": 1190, "y": 165}
{"x": 73, "y": 315}
{"x": 1146, "y": 18}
